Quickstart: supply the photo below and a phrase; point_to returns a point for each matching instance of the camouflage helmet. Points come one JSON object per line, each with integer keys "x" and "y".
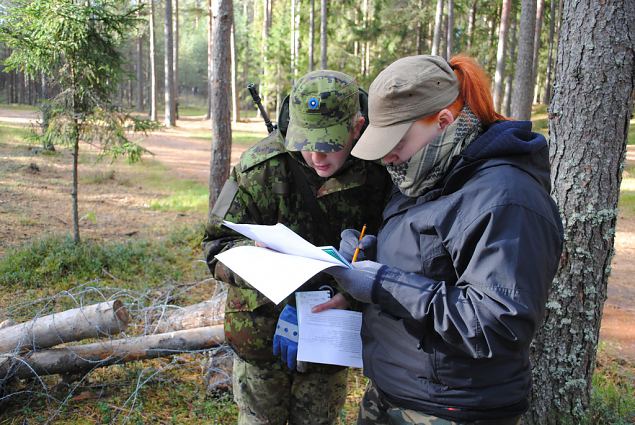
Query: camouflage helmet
{"x": 321, "y": 106}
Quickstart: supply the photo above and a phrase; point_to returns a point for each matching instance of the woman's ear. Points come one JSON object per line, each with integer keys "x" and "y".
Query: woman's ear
{"x": 445, "y": 118}
{"x": 358, "y": 127}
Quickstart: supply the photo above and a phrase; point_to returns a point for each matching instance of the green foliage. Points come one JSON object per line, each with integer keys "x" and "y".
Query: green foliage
{"x": 54, "y": 260}
{"x": 626, "y": 203}
{"x": 631, "y": 132}
{"x": 613, "y": 394}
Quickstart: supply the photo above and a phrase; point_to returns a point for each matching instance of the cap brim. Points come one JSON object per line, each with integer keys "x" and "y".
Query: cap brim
{"x": 377, "y": 142}
{"x": 324, "y": 139}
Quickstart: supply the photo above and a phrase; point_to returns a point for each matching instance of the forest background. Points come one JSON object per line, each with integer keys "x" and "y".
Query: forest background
{"x": 142, "y": 222}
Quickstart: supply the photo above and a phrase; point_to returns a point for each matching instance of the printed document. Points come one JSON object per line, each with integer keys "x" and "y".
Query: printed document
{"x": 282, "y": 267}
{"x": 331, "y": 336}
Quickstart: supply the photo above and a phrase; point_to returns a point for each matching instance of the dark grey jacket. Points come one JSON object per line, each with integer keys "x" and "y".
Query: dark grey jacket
{"x": 468, "y": 269}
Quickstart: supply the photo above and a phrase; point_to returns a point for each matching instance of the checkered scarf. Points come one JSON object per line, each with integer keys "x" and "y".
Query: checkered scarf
{"x": 428, "y": 166}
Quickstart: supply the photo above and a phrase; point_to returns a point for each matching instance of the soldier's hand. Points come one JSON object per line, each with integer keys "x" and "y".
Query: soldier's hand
{"x": 350, "y": 241}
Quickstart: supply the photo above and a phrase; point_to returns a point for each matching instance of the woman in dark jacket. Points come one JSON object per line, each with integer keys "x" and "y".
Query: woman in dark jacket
{"x": 469, "y": 245}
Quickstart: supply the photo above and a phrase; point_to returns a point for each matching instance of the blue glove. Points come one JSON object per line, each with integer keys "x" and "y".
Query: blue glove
{"x": 358, "y": 282}
{"x": 350, "y": 241}
{"x": 285, "y": 340}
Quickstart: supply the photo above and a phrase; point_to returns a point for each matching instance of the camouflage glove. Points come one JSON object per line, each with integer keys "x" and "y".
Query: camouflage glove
{"x": 359, "y": 281}
{"x": 350, "y": 241}
{"x": 285, "y": 340}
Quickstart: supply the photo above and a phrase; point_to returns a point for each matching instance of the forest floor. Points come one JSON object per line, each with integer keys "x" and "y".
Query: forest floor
{"x": 38, "y": 203}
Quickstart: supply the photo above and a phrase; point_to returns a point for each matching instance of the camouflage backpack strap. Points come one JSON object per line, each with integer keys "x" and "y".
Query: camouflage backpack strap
{"x": 267, "y": 148}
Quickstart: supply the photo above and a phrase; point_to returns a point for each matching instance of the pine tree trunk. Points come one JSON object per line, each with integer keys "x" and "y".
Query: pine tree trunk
{"x": 139, "y": 69}
{"x": 170, "y": 109}
{"x": 210, "y": 45}
{"x": 536, "y": 58}
{"x": 153, "y": 68}
{"x": 235, "y": 108}
{"x": 552, "y": 27}
{"x": 74, "y": 188}
{"x": 523, "y": 78}
{"x": 450, "y": 30}
{"x": 589, "y": 120}
{"x": 221, "y": 121}
{"x": 419, "y": 32}
{"x": 323, "y": 35}
{"x": 507, "y": 100}
{"x": 311, "y": 34}
{"x": 438, "y": 24}
{"x": 470, "y": 25}
{"x": 501, "y": 53}
{"x": 175, "y": 61}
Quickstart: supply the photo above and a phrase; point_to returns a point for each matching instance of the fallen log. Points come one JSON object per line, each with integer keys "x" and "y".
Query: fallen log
{"x": 92, "y": 321}
{"x": 82, "y": 358}
{"x": 207, "y": 313}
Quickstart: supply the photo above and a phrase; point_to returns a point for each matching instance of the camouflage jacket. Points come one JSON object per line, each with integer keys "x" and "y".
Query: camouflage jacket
{"x": 262, "y": 189}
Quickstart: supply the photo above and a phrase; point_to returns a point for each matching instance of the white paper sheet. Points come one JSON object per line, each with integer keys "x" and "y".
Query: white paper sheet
{"x": 331, "y": 336}
{"x": 280, "y": 270}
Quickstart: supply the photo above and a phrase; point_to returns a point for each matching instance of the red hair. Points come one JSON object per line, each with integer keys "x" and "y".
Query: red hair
{"x": 474, "y": 89}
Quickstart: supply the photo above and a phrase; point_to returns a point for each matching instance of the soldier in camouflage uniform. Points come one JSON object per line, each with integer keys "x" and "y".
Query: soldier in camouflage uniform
{"x": 311, "y": 184}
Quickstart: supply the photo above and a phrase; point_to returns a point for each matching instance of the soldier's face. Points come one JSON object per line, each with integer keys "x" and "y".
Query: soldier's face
{"x": 327, "y": 164}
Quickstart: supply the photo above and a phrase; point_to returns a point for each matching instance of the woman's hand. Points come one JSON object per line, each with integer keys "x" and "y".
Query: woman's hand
{"x": 338, "y": 302}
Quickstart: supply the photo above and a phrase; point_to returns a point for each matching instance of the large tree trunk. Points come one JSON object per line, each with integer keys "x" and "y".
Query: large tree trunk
{"x": 536, "y": 56}
{"x": 590, "y": 113}
{"x": 210, "y": 45}
{"x": 221, "y": 121}
{"x": 170, "y": 107}
{"x": 82, "y": 358}
{"x": 450, "y": 30}
{"x": 501, "y": 54}
{"x": 92, "y": 321}
{"x": 323, "y": 35}
{"x": 523, "y": 78}
{"x": 311, "y": 34}
{"x": 470, "y": 25}
{"x": 153, "y": 69}
{"x": 293, "y": 45}
{"x": 438, "y": 24}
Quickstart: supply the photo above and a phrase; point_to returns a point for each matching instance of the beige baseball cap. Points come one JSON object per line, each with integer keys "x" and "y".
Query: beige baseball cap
{"x": 407, "y": 90}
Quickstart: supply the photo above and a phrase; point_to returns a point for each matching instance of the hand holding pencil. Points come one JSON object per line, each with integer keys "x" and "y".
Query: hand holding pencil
{"x": 357, "y": 246}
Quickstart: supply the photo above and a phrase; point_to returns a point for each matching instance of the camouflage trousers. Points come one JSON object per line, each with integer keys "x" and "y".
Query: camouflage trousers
{"x": 375, "y": 410}
{"x": 272, "y": 396}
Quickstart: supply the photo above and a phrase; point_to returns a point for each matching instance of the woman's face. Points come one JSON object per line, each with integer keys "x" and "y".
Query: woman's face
{"x": 416, "y": 138}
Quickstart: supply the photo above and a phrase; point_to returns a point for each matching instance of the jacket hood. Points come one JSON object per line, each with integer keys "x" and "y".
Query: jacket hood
{"x": 505, "y": 143}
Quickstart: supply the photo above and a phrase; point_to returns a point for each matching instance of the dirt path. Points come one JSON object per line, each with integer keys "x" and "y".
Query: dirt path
{"x": 186, "y": 151}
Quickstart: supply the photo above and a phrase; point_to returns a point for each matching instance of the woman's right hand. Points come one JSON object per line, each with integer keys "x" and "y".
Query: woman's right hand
{"x": 350, "y": 241}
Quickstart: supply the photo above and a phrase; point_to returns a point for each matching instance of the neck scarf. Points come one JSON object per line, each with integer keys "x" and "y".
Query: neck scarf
{"x": 430, "y": 164}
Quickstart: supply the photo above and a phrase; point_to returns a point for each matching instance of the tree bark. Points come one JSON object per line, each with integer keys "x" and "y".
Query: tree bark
{"x": 450, "y": 30}
{"x": 438, "y": 24}
{"x": 206, "y": 313}
{"x": 210, "y": 44}
{"x": 74, "y": 189}
{"x": 311, "y": 34}
{"x": 92, "y": 321}
{"x": 323, "y": 35}
{"x": 501, "y": 53}
{"x": 82, "y": 358}
{"x": 589, "y": 120}
{"x": 221, "y": 121}
{"x": 153, "y": 69}
{"x": 523, "y": 78}
{"x": 170, "y": 107}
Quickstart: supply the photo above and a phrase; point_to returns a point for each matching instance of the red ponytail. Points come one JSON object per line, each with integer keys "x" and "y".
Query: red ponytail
{"x": 474, "y": 89}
